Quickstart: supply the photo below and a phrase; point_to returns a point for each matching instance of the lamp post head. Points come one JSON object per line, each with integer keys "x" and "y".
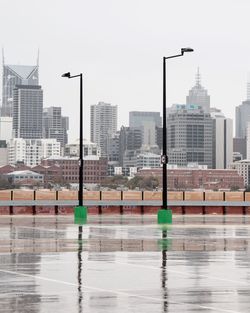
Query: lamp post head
{"x": 183, "y": 50}
{"x": 66, "y": 75}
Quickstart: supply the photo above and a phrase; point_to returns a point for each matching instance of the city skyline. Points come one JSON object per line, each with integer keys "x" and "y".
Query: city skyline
{"x": 121, "y": 55}
{"x": 197, "y": 84}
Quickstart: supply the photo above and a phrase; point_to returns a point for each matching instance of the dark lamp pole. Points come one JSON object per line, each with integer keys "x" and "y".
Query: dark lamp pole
{"x": 80, "y": 194}
{"x": 164, "y": 157}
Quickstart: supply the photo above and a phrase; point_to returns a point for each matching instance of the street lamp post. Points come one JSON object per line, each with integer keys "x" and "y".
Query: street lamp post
{"x": 80, "y": 211}
{"x": 165, "y": 215}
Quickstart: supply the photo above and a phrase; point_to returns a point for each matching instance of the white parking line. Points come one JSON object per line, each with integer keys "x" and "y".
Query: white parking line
{"x": 121, "y": 293}
{"x": 183, "y": 273}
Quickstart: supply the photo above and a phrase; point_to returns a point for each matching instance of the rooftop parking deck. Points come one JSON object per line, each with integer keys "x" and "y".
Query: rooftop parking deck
{"x": 124, "y": 264}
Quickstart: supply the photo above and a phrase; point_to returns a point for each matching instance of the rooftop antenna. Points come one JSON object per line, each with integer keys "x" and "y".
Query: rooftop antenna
{"x": 3, "y": 55}
{"x": 198, "y": 77}
{"x": 248, "y": 86}
{"x": 38, "y": 53}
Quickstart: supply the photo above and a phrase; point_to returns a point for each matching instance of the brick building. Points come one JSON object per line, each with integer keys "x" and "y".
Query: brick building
{"x": 51, "y": 174}
{"x": 94, "y": 168}
{"x": 187, "y": 178}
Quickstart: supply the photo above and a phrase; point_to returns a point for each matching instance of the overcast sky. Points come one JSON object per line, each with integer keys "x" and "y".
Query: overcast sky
{"x": 119, "y": 45}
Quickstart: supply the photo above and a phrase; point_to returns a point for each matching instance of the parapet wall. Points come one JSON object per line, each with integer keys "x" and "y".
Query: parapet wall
{"x": 123, "y": 202}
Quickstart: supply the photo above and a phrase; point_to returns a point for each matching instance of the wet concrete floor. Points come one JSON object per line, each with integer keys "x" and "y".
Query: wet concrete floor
{"x": 125, "y": 264}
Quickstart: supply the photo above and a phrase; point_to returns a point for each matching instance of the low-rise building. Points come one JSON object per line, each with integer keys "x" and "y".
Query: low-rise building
{"x": 148, "y": 160}
{"x": 31, "y": 151}
{"x": 89, "y": 148}
{"x": 243, "y": 169}
{"x": 94, "y": 168}
{"x": 27, "y": 178}
{"x": 193, "y": 178}
{"x": 3, "y": 153}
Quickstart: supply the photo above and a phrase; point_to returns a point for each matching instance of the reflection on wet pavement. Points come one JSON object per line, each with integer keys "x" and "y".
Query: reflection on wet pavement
{"x": 125, "y": 264}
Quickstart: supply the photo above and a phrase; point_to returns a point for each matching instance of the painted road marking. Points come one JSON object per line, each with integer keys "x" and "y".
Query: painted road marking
{"x": 121, "y": 293}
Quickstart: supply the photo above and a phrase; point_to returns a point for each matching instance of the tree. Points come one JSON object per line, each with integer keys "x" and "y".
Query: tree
{"x": 146, "y": 183}
{"x": 5, "y": 184}
{"x": 234, "y": 188}
{"x": 115, "y": 181}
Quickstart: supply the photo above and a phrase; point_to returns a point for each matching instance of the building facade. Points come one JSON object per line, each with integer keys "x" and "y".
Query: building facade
{"x": 54, "y": 125}
{"x": 103, "y": 124}
{"x": 16, "y": 75}
{"x": 113, "y": 146}
{"x": 147, "y": 122}
{"x": 190, "y": 136}
{"x": 94, "y": 168}
{"x": 222, "y": 140}
{"x": 240, "y": 146}
{"x": 131, "y": 139}
{"x": 6, "y": 125}
{"x": 31, "y": 151}
{"x": 243, "y": 169}
{"x": 198, "y": 95}
{"x": 192, "y": 178}
{"x": 89, "y": 148}
{"x": 27, "y": 112}
{"x": 242, "y": 116}
{"x": 25, "y": 178}
{"x": 3, "y": 153}
{"x": 148, "y": 160}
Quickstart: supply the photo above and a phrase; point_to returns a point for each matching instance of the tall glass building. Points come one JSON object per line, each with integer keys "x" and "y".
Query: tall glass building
{"x": 27, "y": 112}
{"x": 16, "y": 75}
{"x": 103, "y": 124}
{"x": 242, "y": 116}
{"x": 147, "y": 122}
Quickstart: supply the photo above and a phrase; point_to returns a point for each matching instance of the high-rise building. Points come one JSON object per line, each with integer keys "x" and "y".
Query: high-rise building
{"x": 190, "y": 136}
{"x": 103, "y": 124}
{"x": 240, "y": 147}
{"x": 113, "y": 145}
{"x": 16, "y": 75}
{"x": 147, "y": 122}
{"x": 130, "y": 140}
{"x": 198, "y": 95}
{"x": 248, "y": 140}
{"x": 222, "y": 140}
{"x": 27, "y": 111}
{"x": 242, "y": 115}
{"x": 55, "y": 125}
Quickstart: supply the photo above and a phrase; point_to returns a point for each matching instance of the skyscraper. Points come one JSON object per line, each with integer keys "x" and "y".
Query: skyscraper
{"x": 27, "y": 112}
{"x": 190, "y": 136}
{"x": 130, "y": 140}
{"x": 54, "y": 125}
{"x": 16, "y": 75}
{"x": 222, "y": 140}
{"x": 147, "y": 122}
{"x": 242, "y": 116}
{"x": 103, "y": 124}
{"x": 198, "y": 95}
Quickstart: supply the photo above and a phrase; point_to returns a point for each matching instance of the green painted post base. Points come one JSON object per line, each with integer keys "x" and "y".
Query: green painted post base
{"x": 81, "y": 212}
{"x": 164, "y": 217}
